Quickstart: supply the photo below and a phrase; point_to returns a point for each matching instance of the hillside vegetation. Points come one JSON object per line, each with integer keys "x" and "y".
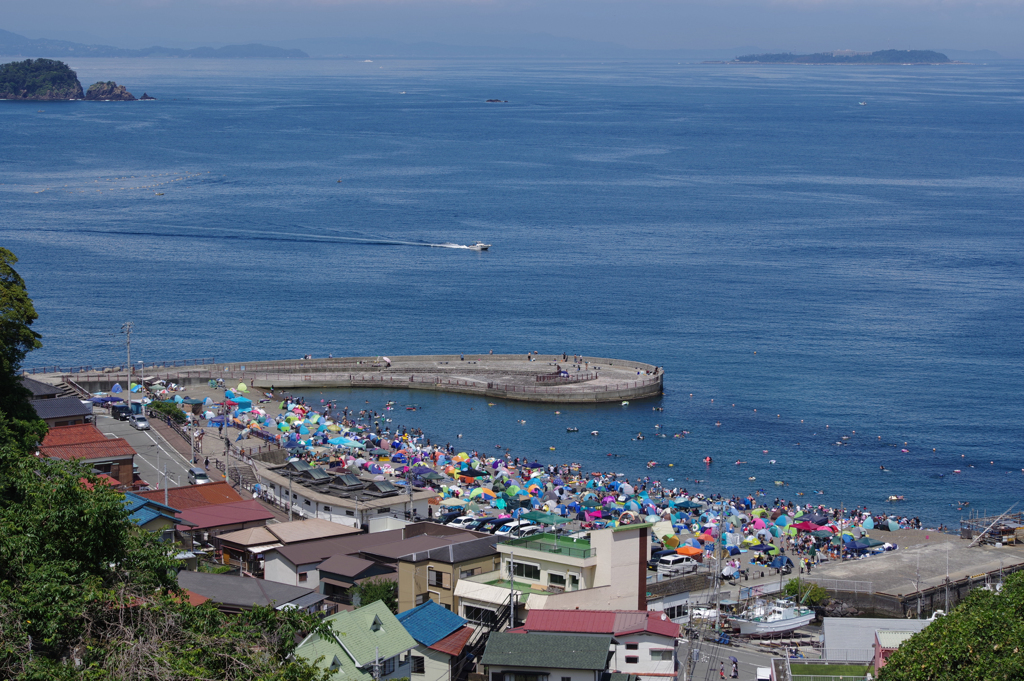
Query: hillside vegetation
{"x": 39, "y": 79}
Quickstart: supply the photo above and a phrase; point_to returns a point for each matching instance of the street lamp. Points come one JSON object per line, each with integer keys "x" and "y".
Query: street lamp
{"x": 126, "y": 329}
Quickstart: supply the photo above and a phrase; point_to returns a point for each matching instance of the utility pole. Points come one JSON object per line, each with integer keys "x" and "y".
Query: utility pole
{"x": 165, "y": 486}
{"x": 290, "y": 505}
{"x": 126, "y": 329}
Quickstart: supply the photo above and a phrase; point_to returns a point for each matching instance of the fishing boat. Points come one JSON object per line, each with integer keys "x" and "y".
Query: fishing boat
{"x": 764, "y": 618}
{"x": 572, "y": 430}
{"x": 479, "y": 246}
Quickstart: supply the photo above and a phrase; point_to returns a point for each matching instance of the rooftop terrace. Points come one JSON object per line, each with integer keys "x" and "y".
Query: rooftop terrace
{"x": 550, "y": 543}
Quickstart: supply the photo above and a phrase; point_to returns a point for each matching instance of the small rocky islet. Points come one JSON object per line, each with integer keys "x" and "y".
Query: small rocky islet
{"x": 52, "y": 80}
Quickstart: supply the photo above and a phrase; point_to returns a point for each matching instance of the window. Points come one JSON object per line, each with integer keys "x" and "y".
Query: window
{"x": 385, "y": 509}
{"x": 632, "y": 646}
{"x": 526, "y": 571}
{"x": 419, "y": 665}
{"x": 526, "y": 676}
{"x": 303, "y": 576}
{"x": 556, "y": 579}
{"x": 438, "y": 578}
{"x": 664, "y": 655}
{"x": 675, "y": 611}
{"x": 566, "y": 678}
{"x": 632, "y": 659}
{"x": 295, "y": 496}
{"x": 422, "y": 598}
{"x": 472, "y": 572}
{"x": 306, "y": 502}
{"x": 574, "y": 582}
{"x": 350, "y": 513}
{"x": 479, "y": 615}
{"x": 327, "y": 509}
{"x": 388, "y": 666}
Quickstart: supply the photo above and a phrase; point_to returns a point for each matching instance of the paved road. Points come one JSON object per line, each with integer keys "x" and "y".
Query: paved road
{"x": 154, "y": 452}
{"x": 713, "y": 655}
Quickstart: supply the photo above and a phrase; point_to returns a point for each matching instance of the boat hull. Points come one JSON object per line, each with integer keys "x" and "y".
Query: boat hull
{"x": 752, "y": 628}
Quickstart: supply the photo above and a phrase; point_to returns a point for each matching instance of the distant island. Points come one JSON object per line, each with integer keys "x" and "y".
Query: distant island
{"x": 51, "y": 80}
{"x": 849, "y": 57}
{"x": 14, "y": 45}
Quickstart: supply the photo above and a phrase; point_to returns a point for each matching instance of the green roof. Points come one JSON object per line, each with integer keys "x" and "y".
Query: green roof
{"x": 359, "y": 635}
{"x": 551, "y": 651}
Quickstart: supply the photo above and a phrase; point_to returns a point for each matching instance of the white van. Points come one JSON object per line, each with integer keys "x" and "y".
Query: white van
{"x": 676, "y": 564}
{"x": 506, "y": 530}
{"x": 526, "y": 531}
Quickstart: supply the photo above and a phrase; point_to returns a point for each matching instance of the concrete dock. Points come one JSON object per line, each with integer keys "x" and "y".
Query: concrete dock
{"x": 528, "y": 378}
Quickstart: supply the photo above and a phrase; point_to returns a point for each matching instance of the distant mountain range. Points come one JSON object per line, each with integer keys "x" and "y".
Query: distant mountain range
{"x": 14, "y": 45}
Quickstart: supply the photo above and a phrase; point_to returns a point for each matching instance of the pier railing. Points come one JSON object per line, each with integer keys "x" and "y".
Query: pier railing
{"x": 846, "y": 585}
{"x": 110, "y": 368}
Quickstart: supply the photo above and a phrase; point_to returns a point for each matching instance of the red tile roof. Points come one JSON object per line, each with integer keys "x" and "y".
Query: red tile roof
{"x": 192, "y": 496}
{"x": 615, "y": 622}
{"x": 115, "y": 448}
{"x": 219, "y": 515}
{"x": 454, "y": 642}
{"x": 73, "y": 435}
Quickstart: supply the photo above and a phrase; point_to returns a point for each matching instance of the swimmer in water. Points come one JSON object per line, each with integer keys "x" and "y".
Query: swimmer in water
{"x": 881, "y": 468}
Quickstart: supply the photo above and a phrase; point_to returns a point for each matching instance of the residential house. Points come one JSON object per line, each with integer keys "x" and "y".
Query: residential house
{"x": 434, "y": 573}
{"x": 62, "y": 411}
{"x": 548, "y": 571}
{"x": 40, "y": 390}
{"x": 299, "y": 563}
{"x": 441, "y": 637}
{"x": 340, "y": 498}
{"x": 546, "y": 657}
{"x": 151, "y": 516}
{"x": 644, "y": 642}
{"x": 191, "y": 496}
{"x": 233, "y": 594}
{"x": 84, "y": 442}
{"x": 340, "y": 574}
{"x": 365, "y": 644}
{"x": 206, "y": 522}
{"x": 245, "y": 548}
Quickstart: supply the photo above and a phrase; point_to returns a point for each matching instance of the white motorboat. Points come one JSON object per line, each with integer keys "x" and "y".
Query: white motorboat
{"x": 479, "y": 246}
{"x": 765, "y": 618}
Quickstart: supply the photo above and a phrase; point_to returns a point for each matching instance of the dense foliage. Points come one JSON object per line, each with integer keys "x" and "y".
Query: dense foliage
{"x": 807, "y": 593}
{"x": 168, "y": 409}
{"x": 39, "y": 79}
{"x": 879, "y": 57}
{"x": 85, "y": 593}
{"x": 378, "y": 589}
{"x": 983, "y": 638}
{"x": 17, "y": 339}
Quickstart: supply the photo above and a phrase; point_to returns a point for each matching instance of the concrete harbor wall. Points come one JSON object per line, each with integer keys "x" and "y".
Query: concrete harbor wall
{"x": 510, "y": 377}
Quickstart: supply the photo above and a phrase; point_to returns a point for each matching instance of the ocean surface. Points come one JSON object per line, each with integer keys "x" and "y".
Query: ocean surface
{"x": 806, "y": 268}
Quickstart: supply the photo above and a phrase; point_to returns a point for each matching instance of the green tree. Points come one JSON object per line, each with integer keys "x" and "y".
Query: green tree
{"x": 378, "y": 589}
{"x": 17, "y": 339}
{"x": 983, "y": 638}
{"x": 807, "y": 593}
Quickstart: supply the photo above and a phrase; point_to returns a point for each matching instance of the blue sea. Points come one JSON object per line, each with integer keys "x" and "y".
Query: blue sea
{"x": 806, "y": 268}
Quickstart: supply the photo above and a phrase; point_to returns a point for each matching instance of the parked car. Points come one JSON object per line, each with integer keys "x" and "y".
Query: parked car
{"x": 198, "y": 476}
{"x": 121, "y": 412}
{"x": 526, "y": 531}
{"x": 652, "y": 564}
{"x": 478, "y": 525}
{"x": 507, "y": 529}
{"x": 462, "y": 521}
{"x": 447, "y": 516}
{"x": 492, "y": 526}
{"x": 677, "y": 564}
{"x": 138, "y": 422}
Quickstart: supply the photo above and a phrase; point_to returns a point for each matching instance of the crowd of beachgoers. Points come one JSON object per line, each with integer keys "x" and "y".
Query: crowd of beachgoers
{"x": 368, "y": 441}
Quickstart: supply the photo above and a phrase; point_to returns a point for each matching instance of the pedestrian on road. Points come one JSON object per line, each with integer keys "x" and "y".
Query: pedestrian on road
{"x": 207, "y": 464}
{"x": 721, "y": 671}
{"x": 735, "y": 671}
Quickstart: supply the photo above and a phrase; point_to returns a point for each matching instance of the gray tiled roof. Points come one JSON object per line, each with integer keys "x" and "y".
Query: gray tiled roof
{"x": 243, "y": 592}
{"x": 457, "y": 553}
{"x": 40, "y": 389}
{"x": 551, "y": 651}
{"x": 60, "y": 407}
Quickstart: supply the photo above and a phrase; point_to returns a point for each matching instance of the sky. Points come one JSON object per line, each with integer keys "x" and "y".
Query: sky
{"x": 772, "y": 25}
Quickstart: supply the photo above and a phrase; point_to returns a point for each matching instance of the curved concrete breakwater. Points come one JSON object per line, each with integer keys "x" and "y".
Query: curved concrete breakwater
{"x": 511, "y": 377}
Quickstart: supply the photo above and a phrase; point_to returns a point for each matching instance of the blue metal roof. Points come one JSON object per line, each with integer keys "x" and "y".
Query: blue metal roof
{"x": 430, "y": 622}
{"x": 142, "y": 510}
